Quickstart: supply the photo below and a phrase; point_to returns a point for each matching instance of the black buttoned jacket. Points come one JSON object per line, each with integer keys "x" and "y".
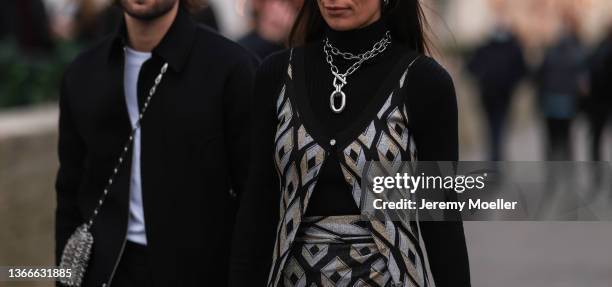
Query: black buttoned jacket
{"x": 194, "y": 149}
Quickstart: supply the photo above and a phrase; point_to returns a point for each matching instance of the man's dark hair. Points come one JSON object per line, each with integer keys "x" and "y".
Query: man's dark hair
{"x": 194, "y": 6}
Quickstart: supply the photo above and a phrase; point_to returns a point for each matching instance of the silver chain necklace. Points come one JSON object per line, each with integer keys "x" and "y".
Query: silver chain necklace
{"x": 340, "y": 79}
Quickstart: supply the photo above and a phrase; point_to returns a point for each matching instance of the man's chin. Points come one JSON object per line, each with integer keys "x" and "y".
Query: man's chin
{"x": 157, "y": 10}
{"x": 143, "y": 16}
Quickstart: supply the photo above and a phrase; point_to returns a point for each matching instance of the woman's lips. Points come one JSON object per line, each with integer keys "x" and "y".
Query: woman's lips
{"x": 336, "y": 11}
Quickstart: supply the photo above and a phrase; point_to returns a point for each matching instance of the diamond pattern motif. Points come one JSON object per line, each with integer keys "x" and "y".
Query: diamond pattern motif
{"x": 336, "y": 273}
{"x": 354, "y": 156}
{"x": 283, "y": 149}
{"x": 304, "y": 138}
{"x": 389, "y": 154}
{"x": 294, "y": 275}
{"x": 313, "y": 253}
{"x": 311, "y": 163}
{"x": 360, "y": 252}
{"x": 378, "y": 274}
{"x": 291, "y": 184}
{"x": 284, "y": 118}
{"x": 397, "y": 128}
{"x": 367, "y": 137}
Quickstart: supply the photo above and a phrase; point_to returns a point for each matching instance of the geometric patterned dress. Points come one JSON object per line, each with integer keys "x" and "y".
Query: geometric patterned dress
{"x": 343, "y": 250}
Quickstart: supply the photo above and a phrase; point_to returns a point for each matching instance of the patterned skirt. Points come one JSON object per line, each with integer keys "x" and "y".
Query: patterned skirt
{"x": 335, "y": 251}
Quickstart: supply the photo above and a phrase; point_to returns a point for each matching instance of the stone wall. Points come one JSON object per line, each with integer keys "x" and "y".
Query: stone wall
{"x": 28, "y": 164}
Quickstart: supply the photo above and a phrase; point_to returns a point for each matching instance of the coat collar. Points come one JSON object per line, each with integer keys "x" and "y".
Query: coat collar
{"x": 174, "y": 48}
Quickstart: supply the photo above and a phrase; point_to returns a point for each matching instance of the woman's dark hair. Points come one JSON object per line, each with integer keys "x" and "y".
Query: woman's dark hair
{"x": 405, "y": 18}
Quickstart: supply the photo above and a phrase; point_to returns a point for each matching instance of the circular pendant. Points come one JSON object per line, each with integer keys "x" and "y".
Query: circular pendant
{"x": 332, "y": 101}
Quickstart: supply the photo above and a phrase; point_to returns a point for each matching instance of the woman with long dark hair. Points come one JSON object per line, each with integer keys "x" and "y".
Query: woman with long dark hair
{"x": 354, "y": 88}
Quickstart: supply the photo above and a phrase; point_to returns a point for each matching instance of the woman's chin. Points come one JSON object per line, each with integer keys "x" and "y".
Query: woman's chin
{"x": 342, "y": 24}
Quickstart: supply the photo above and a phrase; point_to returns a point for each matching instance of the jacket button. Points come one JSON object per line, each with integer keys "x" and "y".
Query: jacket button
{"x": 332, "y": 142}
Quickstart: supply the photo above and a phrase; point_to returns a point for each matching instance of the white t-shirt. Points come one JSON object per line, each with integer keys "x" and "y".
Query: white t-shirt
{"x": 136, "y": 224}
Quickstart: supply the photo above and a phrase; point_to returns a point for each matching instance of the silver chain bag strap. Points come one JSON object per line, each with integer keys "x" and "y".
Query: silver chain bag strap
{"x": 77, "y": 251}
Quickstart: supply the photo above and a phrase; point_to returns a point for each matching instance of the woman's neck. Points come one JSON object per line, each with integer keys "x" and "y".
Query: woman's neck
{"x": 358, "y": 40}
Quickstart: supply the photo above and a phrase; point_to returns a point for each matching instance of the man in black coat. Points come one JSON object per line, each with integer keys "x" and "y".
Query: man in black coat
{"x": 168, "y": 215}
{"x": 497, "y": 66}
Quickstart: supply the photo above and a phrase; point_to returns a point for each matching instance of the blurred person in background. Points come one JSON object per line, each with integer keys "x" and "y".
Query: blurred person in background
{"x": 272, "y": 21}
{"x": 317, "y": 126}
{"x": 94, "y": 20}
{"x": 28, "y": 54}
{"x": 207, "y": 16}
{"x": 561, "y": 79}
{"x": 26, "y": 22}
{"x": 498, "y": 66}
{"x": 599, "y": 103}
{"x": 169, "y": 185}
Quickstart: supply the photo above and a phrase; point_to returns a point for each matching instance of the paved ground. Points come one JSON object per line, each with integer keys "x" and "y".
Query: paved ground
{"x": 27, "y": 199}
{"x": 540, "y": 254}
{"x": 532, "y": 254}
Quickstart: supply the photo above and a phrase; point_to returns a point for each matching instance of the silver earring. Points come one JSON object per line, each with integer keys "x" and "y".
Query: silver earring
{"x": 386, "y": 3}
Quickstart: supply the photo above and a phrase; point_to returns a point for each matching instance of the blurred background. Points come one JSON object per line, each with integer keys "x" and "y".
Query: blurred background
{"x": 533, "y": 80}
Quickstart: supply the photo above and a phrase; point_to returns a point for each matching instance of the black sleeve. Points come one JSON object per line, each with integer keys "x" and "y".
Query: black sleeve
{"x": 72, "y": 152}
{"x": 255, "y": 229}
{"x": 433, "y": 112}
{"x": 434, "y": 122}
{"x": 238, "y": 93}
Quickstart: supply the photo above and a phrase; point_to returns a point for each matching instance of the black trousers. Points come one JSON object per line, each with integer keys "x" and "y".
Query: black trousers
{"x": 133, "y": 269}
{"x": 598, "y": 118}
{"x": 496, "y": 105}
{"x": 559, "y": 146}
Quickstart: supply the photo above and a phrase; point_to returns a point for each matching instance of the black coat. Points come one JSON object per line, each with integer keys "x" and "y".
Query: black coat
{"x": 194, "y": 148}
{"x": 498, "y": 65}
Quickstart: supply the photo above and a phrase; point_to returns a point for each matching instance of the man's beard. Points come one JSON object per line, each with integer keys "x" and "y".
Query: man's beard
{"x": 160, "y": 8}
